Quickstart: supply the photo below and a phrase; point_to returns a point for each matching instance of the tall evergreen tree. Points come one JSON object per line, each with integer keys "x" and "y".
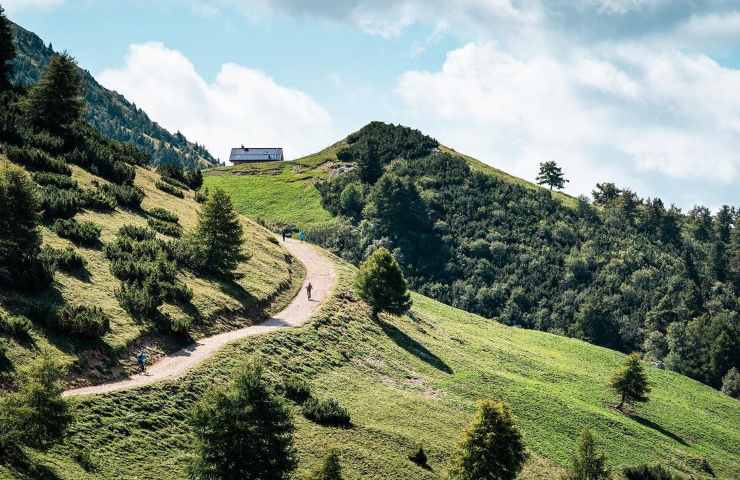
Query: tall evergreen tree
{"x": 552, "y": 175}
{"x": 7, "y": 50}
{"x": 491, "y": 448}
{"x": 20, "y": 240}
{"x": 631, "y": 382}
{"x": 382, "y": 285}
{"x": 56, "y": 102}
{"x": 219, "y": 236}
{"x": 368, "y": 163}
{"x": 244, "y": 431}
{"x": 588, "y": 463}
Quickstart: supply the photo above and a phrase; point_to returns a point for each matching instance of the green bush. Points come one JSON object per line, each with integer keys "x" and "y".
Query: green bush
{"x": 57, "y": 180}
{"x": 99, "y": 200}
{"x": 42, "y": 140}
{"x": 327, "y": 412}
{"x": 165, "y": 228}
{"x": 296, "y": 389}
{"x": 33, "y": 274}
{"x": 128, "y": 196}
{"x": 135, "y": 232}
{"x": 38, "y": 160}
{"x": 15, "y": 325}
{"x": 83, "y": 321}
{"x": 164, "y": 215}
{"x": 138, "y": 302}
{"x": 81, "y": 233}
{"x": 166, "y": 187}
{"x": 67, "y": 260}
{"x": 175, "y": 183}
{"x": 201, "y": 196}
{"x": 58, "y": 203}
{"x": 648, "y": 472}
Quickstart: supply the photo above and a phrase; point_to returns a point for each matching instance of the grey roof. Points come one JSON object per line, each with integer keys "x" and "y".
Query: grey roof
{"x": 248, "y": 154}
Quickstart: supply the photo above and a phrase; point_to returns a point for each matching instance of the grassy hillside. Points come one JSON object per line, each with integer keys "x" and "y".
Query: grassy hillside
{"x": 284, "y": 193}
{"x": 409, "y": 381}
{"x": 268, "y": 280}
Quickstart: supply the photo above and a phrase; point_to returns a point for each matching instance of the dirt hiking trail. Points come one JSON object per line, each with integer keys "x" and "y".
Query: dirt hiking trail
{"x": 319, "y": 271}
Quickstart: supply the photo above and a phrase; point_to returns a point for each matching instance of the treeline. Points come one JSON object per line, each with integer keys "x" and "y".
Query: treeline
{"x": 619, "y": 271}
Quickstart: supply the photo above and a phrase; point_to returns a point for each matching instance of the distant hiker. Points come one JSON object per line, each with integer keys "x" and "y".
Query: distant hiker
{"x": 141, "y": 358}
{"x": 309, "y": 288}
{"x": 283, "y": 234}
{"x": 301, "y": 236}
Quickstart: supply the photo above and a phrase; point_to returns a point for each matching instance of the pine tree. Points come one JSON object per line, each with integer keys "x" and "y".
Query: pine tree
{"x": 631, "y": 382}
{"x": 331, "y": 469}
{"x": 219, "y": 236}
{"x": 56, "y": 102}
{"x": 7, "y": 50}
{"x": 20, "y": 240}
{"x": 382, "y": 285}
{"x": 588, "y": 464}
{"x": 552, "y": 175}
{"x": 243, "y": 431}
{"x": 491, "y": 448}
{"x": 368, "y": 163}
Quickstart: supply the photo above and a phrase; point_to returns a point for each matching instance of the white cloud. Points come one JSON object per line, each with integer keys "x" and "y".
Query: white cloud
{"x": 13, "y": 6}
{"x": 602, "y": 114}
{"x": 242, "y": 105}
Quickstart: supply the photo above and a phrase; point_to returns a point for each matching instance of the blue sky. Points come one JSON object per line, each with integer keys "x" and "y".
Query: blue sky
{"x": 644, "y": 93}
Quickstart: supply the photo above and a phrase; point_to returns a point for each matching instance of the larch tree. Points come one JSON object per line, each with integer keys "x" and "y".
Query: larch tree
{"x": 491, "y": 447}
{"x": 631, "y": 382}
{"x": 552, "y": 175}
{"x": 587, "y": 463}
{"x": 7, "y": 50}
{"x": 219, "y": 236}
{"x": 380, "y": 282}
{"x": 56, "y": 102}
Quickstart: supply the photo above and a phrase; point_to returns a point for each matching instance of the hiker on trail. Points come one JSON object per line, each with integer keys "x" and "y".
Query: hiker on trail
{"x": 301, "y": 236}
{"x": 141, "y": 358}
{"x": 309, "y": 287}
{"x": 283, "y": 234}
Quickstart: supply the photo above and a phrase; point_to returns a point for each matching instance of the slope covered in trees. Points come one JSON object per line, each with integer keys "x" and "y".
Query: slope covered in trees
{"x": 109, "y": 112}
{"x": 619, "y": 271}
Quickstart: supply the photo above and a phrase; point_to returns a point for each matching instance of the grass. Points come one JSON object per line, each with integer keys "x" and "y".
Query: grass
{"x": 415, "y": 381}
{"x": 268, "y": 278}
{"x": 281, "y": 193}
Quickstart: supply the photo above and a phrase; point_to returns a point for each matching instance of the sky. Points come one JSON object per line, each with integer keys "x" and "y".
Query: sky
{"x": 642, "y": 93}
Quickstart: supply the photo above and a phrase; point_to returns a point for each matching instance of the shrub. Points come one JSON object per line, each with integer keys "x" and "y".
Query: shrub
{"x": 38, "y": 160}
{"x": 138, "y": 302}
{"x": 296, "y": 389}
{"x": 42, "y": 140}
{"x": 57, "y": 180}
{"x": 100, "y": 200}
{"x": 180, "y": 324}
{"x": 166, "y": 187}
{"x": 164, "y": 215}
{"x": 58, "y": 203}
{"x": 419, "y": 457}
{"x": 67, "y": 260}
{"x": 731, "y": 383}
{"x": 83, "y": 321}
{"x": 201, "y": 196}
{"x": 135, "y": 232}
{"x": 82, "y": 233}
{"x": 15, "y": 325}
{"x": 647, "y": 472}
{"x": 175, "y": 183}
{"x": 128, "y": 196}
{"x": 33, "y": 274}
{"x": 327, "y": 412}
{"x": 165, "y": 228}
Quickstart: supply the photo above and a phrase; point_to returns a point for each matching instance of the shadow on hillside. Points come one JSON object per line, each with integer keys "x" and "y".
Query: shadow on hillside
{"x": 658, "y": 428}
{"x": 413, "y": 347}
{"x": 25, "y": 468}
{"x": 231, "y": 288}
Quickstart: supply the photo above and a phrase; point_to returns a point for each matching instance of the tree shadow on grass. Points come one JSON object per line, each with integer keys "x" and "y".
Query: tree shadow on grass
{"x": 413, "y": 347}
{"x": 658, "y": 428}
{"x": 231, "y": 288}
{"x": 26, "y": 468}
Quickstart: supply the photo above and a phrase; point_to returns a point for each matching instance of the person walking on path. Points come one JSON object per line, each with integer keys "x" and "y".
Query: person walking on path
{"x": 301, "y": 236}
{"x": 309, "y": 287}
{"x": 142, "y": 358}
{"x": 284, "y": 232}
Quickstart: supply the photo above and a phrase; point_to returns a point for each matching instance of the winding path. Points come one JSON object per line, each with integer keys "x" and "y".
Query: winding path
{"x": 319, "y": 270}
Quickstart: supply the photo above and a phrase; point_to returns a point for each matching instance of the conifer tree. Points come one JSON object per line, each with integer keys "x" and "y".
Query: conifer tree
{"x": 219, "y": 235}
{"x": 56, "y": 102}
{"x": 331, "y": 469}
{"x": 588, "y": 464}
{"x": 244, "y": 431}
{"x": 7, "y": 50}
{"x": 552, "y": 175}
{"x": 491, "y": 448}
{"x": 20, "y": 240}
{"x": 382, "y": 285}
{"x": 631, "y": 382}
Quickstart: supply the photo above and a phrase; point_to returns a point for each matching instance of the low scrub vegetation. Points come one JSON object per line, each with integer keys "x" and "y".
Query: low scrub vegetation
{"x": 35, "y": 159}
{"x": 328, "y": 412}
{"x": 82, "y": 321}
{"x": 163, "y": 214}
{"x": 15, "y": 325}
{"x": 127, "y": 196}
{"x": 165, "y": 228}
{"x": 67, "y": 260}
{"x": 81, "y": 233}
{"x": 57, "y": 180}
{"x": 166, "y": 187}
